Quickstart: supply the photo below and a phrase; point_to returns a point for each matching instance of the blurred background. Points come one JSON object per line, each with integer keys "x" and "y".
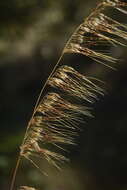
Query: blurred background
{"x": 32, "y": 36}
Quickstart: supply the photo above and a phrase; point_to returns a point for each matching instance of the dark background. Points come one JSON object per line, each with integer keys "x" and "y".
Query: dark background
{"x": 32, "y": 36}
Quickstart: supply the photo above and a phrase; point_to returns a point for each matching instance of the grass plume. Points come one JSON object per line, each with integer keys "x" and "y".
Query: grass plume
{"x": 55, "y": 116}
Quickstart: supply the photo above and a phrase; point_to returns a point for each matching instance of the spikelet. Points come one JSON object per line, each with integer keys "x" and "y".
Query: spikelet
{"x": 75, "y": 84}
{"x": 55, "y": 122}
{"x": 26, "y": 188}
{"x": 97, "y": 29}
{"x": 56, "y": 119}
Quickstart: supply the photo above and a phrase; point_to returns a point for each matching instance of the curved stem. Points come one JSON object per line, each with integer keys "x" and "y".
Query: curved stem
{"x": 15, "y": 172}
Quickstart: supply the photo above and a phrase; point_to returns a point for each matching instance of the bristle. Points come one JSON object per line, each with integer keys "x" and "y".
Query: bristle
{"x": 79, "y": 49}
{"x": 55, "y": 123}
{"x": 59, "y": 105}
{"x": 82, "y": 79}
{"x": 76, "y": 85}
